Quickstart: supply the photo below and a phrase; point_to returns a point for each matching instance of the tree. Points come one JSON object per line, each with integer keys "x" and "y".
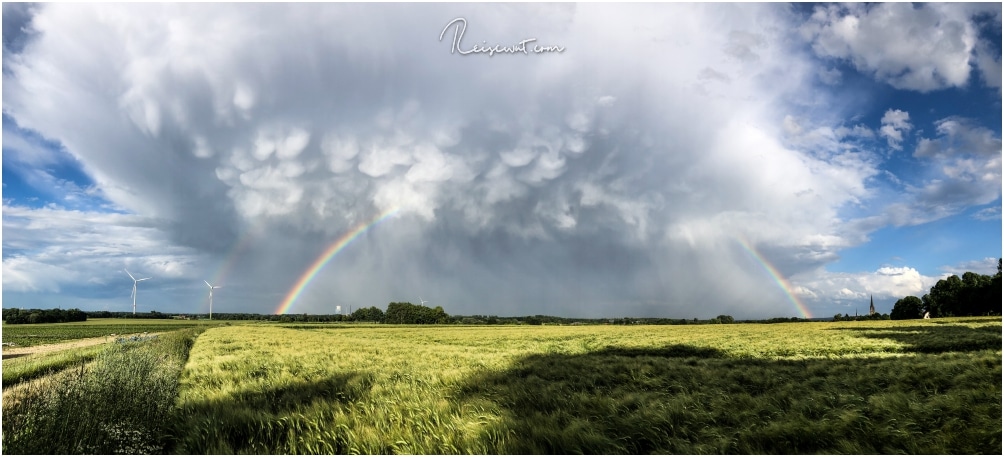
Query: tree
{"x": 971, "y": 295}
{"x": 930, "y": 306}
{"x": 995, "y": 290}
{"x": 371, "y": 314}
{"x": 947, "y": 296}
{"x": 725, "y": 319}
{"x": 407, "y": 313}
{"x": 907, "y": 308}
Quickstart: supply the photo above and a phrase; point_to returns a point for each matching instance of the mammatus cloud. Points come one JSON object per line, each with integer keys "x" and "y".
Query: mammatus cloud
{"x": 597, "y": 181}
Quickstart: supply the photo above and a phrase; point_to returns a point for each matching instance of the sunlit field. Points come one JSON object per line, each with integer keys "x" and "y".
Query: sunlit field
{"x": 929, "y": 387}
{"x": 876, "y": 387}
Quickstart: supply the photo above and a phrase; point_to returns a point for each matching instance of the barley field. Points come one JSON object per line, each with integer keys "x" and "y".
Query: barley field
{"x": 876, "y": 387}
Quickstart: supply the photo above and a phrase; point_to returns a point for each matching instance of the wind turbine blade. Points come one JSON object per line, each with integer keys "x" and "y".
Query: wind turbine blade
{"x": 130, "y": 275}
{"x": 144, "y": 279}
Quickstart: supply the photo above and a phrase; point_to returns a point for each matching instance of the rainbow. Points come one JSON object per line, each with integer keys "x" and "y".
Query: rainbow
{"x": 781, "y": 281}
{"x": 325, "y": 257}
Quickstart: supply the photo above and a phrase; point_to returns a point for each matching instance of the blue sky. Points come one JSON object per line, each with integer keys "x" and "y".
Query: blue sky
{"x": 856, "y": 148}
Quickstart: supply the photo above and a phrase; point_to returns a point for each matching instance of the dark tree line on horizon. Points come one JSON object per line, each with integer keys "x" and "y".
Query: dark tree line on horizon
{"x": 971, "y": 295}
{"x": 396, "y": 313}
{"x": 43, "y": 316}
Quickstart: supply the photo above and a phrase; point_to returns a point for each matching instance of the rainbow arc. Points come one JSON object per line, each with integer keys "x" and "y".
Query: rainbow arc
{"x": 778, "y": 277}
{"x": 333, "y": 249}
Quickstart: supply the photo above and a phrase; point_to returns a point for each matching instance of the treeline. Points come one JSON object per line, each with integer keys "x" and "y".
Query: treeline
{"x": 867, "y": 317}
{"x": 555, "y": 320}
{"x": 405, "y": 313}
{"x": 126, "y": 315}
{"x": 43, "y": 316}
{"x": 971, "y": 295}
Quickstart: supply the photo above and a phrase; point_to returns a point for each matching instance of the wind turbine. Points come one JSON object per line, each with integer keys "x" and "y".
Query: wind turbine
{"x": 211, "y": 287}
{"x": 134, "y": 282}
{"x": 420, "y": 299}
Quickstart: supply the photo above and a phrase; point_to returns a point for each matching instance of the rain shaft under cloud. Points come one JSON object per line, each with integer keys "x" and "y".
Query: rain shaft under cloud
{"x": 613, "y": 178}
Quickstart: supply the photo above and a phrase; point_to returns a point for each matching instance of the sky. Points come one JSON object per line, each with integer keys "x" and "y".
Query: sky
{"x": 644, "y": 160}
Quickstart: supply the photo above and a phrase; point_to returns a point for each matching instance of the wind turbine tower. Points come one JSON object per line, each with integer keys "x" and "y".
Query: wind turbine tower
{"x": 211, "y": 287}
{"x": 134, "y": 282}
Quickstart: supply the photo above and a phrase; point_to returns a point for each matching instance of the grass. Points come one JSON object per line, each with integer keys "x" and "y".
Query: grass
{"x": 930, "y": 387}
{"x": 36, "y": 334}
{"x": 117, "y": 404}
{"x": 29, "y": 367}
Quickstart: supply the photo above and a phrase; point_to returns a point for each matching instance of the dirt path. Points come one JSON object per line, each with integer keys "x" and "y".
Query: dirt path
{"x": 10, "y": 352}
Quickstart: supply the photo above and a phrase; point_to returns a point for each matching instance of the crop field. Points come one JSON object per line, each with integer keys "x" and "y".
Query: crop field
{"x": 922, "y": 387}
{"x": 876, "y": 387}
{"x": 36, "y": 334}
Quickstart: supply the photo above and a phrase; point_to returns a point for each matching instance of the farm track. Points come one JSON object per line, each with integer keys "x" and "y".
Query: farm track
{"x": 11, "y": 352}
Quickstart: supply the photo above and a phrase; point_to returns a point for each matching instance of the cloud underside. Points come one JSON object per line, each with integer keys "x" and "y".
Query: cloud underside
{"x": 596, "y": 181}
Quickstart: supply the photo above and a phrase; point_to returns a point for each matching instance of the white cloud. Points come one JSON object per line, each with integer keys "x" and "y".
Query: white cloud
{"x": 984, "y": 266}
{"x": 50, "y": 249}
{"x": 960, "y": 136}
{"x": 917, "y": 47}
{"x": 990, "y": 70}
{"x": 894, "y": 124}
{"x": 830, "y": 76}
{"x": 885, "y": 283}
{"x": 25, "y": 149}
{"x": 988, "y": 214}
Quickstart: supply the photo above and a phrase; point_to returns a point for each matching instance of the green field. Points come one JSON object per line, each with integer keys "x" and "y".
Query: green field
{"x": 36, "y": 334}
{"x": 21, "y": 369}
{"x": 928, "y": 387}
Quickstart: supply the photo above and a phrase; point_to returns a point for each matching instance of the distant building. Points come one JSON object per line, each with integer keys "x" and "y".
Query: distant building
{"x": 871, "y": 307}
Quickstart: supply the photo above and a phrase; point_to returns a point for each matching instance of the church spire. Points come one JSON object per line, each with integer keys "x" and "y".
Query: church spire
{"x": 871, "y": 306}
